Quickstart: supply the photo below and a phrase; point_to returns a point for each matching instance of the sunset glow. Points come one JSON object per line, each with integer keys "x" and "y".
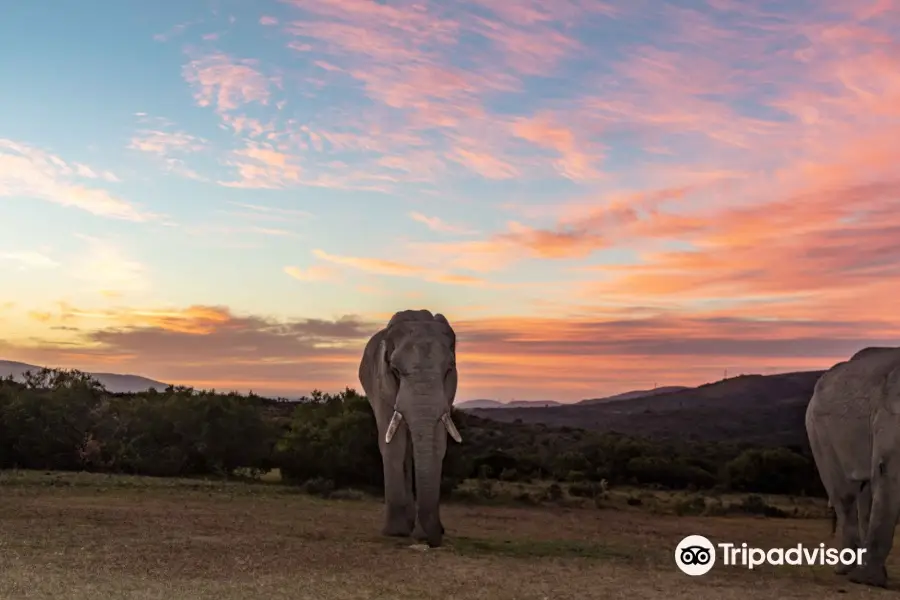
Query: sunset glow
{"x": 600, "y": 196}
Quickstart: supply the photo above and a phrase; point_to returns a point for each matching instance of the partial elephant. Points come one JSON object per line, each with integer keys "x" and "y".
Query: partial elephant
{"x": 853, "y": 424}
{"x": 408, "y": 372}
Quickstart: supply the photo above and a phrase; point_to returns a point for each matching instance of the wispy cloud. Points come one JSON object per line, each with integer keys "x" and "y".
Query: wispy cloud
{"x": 261, "y": 166}
{"x": 226, "y": 83}
{"x": 274, "y": 213}
{"x": 438, "y": 224}
{"x": 392, "y": 268}
{"x": 162, "y": 143}
{"x": 574, "y": 162}
{"x": 159, "y": 138}
{"x": 28, "y": 172}
{"x": 313, "y": 273}
{"x": 28, "y": 260}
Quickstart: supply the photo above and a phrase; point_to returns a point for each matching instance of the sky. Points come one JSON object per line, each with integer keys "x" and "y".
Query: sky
{"x": 600, "y": 196}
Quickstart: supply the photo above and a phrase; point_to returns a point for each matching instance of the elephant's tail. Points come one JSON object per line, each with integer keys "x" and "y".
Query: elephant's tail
{"x": 833, "y": 520}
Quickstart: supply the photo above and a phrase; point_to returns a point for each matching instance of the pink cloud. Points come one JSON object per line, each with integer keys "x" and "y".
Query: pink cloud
{"x": 574, "y": 163}
{"x": 260, "y": 166}
{"x": 483, "y": 163}
{"x": 162, "y": 143}
{"x": 227, "y": 83}
{"x": 438, "y": 224}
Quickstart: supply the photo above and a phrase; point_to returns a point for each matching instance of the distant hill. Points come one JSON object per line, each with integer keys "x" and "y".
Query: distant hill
{"x": 764, "y": 409}
{"x": 479, "y": 403}
{"x": 118, "y": 384}
{"x": 532, "y": 403}
{"x": 636, "y": 394}
{"x": 493, "y": 404}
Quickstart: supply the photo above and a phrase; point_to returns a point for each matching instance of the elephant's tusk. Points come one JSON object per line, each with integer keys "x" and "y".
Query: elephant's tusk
{"x": 451, "y": 428}
{"x": 392, "y": 427}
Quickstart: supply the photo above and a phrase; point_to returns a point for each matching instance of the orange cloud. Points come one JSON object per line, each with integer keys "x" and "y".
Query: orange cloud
{"x": 398, "y": 269}
{"x": 499, "y": 357}
{"x": 823, "y": 252}
{"x": 313, "y": 273}
{"x": 371, "y": 265}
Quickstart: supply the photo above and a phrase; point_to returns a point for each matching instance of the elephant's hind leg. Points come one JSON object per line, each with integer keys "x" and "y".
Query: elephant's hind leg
{"x": 842, "y": 493}
{"x": 847, "y": 522}
{"x": 885, "y": 511}
{"x": 864, "y": 508}
{"x": 880, "y": 535}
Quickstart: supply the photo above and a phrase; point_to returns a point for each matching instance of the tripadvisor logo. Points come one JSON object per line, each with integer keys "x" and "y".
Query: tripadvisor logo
{"x": 696, "y": 555}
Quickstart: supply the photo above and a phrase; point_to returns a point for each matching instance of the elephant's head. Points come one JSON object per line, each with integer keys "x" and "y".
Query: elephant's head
{"x": 418, "y": 363}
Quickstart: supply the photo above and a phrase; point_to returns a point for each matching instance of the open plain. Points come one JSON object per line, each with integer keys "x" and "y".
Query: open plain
{"x": 84, "y": 536}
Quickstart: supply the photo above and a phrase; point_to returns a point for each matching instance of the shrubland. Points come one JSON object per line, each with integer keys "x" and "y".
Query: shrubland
{"x": 66, "y": 421}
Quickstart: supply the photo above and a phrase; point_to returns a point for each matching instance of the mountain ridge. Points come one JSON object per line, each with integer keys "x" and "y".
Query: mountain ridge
{"x": 117, "y": 383}
{"x": 762, "y": 409}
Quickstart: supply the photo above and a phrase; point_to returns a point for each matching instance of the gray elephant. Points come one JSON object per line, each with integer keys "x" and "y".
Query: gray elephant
{"x": 408, "y": 371}
{"x": 853, "y": 424}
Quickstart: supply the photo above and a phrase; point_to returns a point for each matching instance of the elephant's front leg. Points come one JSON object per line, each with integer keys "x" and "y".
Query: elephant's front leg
{"x": 397, "y": 497}
{"x": 408, "y": 479}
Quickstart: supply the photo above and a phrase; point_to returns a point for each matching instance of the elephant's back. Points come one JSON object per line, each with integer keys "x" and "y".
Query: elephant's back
{"x": 856, "y": 386}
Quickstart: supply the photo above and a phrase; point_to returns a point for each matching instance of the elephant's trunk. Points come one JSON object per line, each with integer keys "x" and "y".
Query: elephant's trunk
{"x": 429, "y": 442}
{"x": 428, "y": 465}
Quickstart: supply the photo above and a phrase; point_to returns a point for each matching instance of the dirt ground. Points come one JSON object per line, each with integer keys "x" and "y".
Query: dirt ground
{"x": 97, "y": 537}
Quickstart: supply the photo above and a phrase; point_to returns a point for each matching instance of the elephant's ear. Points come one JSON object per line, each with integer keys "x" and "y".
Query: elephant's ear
{"x": 451, "y": 379}
{"x": 450, "y": 383}
{"x": 387, "y": 381}
{"x": 449, "y": 332}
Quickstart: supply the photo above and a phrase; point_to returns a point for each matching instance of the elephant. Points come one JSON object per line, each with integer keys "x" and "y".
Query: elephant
{"x": 853, "y": 425}
{"x": 408, "y": 372}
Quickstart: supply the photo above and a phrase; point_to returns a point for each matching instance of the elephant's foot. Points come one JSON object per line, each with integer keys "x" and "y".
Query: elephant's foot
{"x": 396, "y": 529}
{"x": 397, "y": 522}
{"x": 842, "y": 569}
{"x": 869, "y": 574}
{"x": 433, "y": 538}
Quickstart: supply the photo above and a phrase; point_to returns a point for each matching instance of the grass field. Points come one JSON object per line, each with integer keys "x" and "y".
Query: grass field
{"x": 81, "y": 536}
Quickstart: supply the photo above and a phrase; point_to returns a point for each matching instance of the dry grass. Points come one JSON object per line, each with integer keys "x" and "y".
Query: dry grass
{"x": 96, "y": 537}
